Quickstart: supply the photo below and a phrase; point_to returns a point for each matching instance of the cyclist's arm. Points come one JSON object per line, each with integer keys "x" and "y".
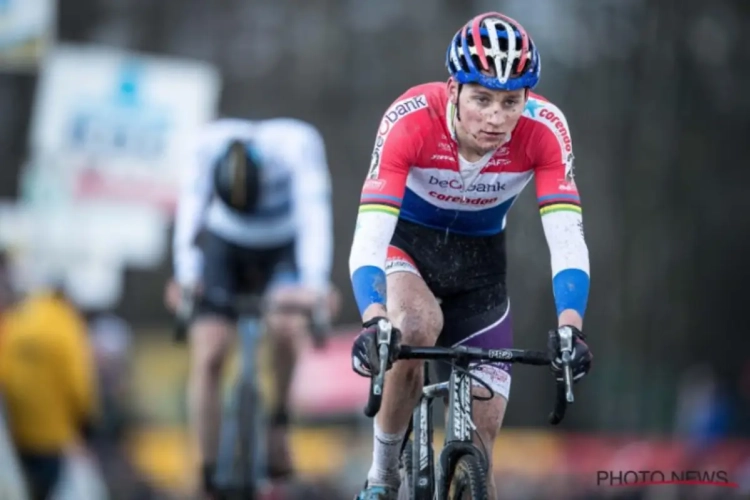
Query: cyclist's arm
{"x": 396, "y": 146}
{"x": 560, "y": 209}
{"x": 195, "y": 193}
{"x": 312, "y": 206}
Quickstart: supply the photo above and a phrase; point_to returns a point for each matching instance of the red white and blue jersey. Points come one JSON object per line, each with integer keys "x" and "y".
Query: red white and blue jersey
{"x": 418, "y": 175}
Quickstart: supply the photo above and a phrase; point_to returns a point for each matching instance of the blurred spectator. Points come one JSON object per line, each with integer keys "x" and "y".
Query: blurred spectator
{"x": 6, "y": 291}
{"x": 703, "y": 409}
{"x": 48, "y": 384}
{"x": 111, "y": 338}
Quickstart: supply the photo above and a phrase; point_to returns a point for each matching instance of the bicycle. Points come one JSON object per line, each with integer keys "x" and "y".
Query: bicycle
{"x": 462, "y": 466}
{"x": 240, "y": 465}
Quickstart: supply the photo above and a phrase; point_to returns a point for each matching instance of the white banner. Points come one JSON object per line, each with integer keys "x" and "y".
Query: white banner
{"x": 84, "y": 247}
{"x": 119, "y": 124}
{"x": 27, "y": 28}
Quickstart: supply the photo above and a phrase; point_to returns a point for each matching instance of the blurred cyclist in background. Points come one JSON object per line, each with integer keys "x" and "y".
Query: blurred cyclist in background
{"x": 48, "y": 384}
{"x": 254, "y": 217}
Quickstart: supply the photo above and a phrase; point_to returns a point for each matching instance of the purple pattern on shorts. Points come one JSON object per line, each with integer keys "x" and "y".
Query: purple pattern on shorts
{"x": 499, "y": 336}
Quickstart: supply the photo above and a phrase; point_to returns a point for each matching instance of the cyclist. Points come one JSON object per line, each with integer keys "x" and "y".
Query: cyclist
{"x": 254, "y": 217}
{"x": 449, "y": 161}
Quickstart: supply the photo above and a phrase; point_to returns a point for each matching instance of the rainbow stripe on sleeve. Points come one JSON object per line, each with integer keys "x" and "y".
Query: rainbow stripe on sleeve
{"x": 559, "y": 202}
{"x": 372, "y": 202}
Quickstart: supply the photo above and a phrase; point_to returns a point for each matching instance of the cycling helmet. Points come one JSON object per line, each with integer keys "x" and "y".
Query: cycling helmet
{"x": 237, "y": 177}
{"x": 505, "y": 49}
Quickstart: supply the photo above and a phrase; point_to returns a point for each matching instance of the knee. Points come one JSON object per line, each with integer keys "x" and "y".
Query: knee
{"x": 419, "y": 328}
{"x": 285, "y": 329}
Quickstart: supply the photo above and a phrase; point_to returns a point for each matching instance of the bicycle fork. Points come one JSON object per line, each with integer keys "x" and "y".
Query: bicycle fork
{"x": 459, "y": 432}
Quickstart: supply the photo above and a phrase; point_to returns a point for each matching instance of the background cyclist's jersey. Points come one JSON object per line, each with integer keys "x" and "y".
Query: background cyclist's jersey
{"x": 417, "y": 174}
{"x": 295, "y": 201}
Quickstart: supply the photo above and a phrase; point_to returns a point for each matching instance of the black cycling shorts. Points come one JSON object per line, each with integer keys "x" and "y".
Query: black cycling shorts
{"x": 230, "y": 270}
{"x": 467, "y": 275}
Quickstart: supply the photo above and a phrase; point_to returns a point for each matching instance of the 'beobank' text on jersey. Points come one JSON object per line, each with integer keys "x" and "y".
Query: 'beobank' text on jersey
{"x": 417, "y": 174}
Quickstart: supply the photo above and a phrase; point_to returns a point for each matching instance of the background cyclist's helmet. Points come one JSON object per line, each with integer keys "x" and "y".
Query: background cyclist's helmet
{"x": 237, "y": 177}
{"x": 505, "y": 49}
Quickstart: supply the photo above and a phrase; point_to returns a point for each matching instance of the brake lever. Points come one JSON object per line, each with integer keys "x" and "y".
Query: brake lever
{"x": 566, "y": 353}
{"x": 385, "y": 330}
{"x": 320, "y": 324}
{"x": 378, "y": 380}
{"x": 184, "y": 314}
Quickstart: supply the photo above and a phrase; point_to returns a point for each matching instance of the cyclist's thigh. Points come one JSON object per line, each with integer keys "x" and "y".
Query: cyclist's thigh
{"x": 283, "y": 274}
{"x": 283, "y": 282}
{"x": 282, "y": 287}
{"x": 411, "y": 304}
{"x": 480, "y": 318}
{"x": 219, "y": 279}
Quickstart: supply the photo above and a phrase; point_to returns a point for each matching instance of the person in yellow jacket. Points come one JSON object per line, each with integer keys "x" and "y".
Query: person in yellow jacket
{"x": 48, "y": 384}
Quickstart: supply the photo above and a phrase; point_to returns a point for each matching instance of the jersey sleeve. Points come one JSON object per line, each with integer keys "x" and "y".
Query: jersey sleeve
{"x": 311, "y": 183}
{"x": 560, "y": 210}
{"x": 195, "y": 193}
{"x": 397, "y": 144}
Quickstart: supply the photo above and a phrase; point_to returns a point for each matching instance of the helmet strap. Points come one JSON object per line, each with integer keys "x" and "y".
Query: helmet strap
{"x": 458, "y": 102}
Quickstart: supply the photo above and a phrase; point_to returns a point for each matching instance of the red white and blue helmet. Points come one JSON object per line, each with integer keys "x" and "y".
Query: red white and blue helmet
{"x": 505, "y": 49}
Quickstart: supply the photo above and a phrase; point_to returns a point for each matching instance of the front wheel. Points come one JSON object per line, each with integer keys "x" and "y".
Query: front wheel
{"x": 468, "y": 480}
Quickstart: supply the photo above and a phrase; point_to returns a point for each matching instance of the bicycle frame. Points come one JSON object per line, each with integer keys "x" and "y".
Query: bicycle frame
{"x": 233, "y": 431}
{"x": 459, "y": 432}
{"x": 237, "y": 428}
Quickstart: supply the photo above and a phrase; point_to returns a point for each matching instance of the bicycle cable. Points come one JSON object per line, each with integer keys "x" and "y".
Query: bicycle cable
{"x": 473, "y": 377}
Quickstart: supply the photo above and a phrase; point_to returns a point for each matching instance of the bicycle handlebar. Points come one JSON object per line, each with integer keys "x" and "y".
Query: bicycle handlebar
{"x": 518, "y": 356}
{"x": 184, "y": 314}
{"x": 317, "y": 316}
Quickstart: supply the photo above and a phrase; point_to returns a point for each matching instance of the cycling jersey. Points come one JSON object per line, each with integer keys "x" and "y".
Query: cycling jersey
{"x": 294, "y": 203}
{"x": 416, "y": 174}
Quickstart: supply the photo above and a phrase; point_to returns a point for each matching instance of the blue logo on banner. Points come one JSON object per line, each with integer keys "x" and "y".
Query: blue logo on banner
{"x": 122, "y": 124}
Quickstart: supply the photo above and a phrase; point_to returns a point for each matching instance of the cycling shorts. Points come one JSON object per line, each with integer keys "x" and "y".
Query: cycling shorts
{"x": 230, "y": 270}
{"x": 467, "y": 276}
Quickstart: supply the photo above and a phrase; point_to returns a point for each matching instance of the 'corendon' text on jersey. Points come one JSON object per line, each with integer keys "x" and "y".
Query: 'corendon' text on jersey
{"x": 559, "y": 125}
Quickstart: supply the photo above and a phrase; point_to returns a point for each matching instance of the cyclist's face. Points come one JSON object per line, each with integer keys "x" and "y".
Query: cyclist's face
{"x": 487, "y": 117}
